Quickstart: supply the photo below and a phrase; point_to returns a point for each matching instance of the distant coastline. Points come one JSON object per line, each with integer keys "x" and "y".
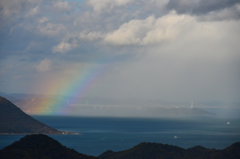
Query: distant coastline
{"x": 60, "y": 133}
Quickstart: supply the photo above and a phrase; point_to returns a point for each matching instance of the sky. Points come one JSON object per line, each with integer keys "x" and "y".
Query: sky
{"x": 169, "y": 50}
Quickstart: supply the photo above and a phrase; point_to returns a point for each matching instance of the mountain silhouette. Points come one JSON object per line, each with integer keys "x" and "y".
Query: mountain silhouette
{"x": 14, "y": 121}
{"x": 147, "y": 150}
{"x": 39, "y": 146}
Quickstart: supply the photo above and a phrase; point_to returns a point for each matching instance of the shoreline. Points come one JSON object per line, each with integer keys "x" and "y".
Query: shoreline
{"x": 58, "y": 133}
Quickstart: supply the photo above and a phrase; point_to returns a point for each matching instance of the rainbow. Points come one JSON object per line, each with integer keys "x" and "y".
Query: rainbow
{"x": 76, "y": 87}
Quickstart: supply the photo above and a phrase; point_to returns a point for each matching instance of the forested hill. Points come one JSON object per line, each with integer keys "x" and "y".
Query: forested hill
{"x": 14, "y": 121}
{"x": 164, "y": 151}
{"x": 40, "y": 147}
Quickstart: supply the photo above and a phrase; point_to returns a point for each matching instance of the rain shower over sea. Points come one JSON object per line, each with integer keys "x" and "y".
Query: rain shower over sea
{"x": 100, "y": 134}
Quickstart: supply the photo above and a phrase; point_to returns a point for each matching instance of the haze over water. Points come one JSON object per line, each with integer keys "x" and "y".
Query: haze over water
{"x": 176, "y": 51}
{"x": 124, "y": 58}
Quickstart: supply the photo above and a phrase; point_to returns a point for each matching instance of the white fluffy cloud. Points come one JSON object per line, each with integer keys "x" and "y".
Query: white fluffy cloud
{"x": 150, "y": 30}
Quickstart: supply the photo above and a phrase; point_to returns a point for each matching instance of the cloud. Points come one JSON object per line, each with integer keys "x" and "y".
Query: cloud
{"x": 51, "y": 29}
{"x": 168, "y": 49}
{"x": 91, "y": 36}
{"x": 220, "y": 15}
{"x": 206, "y": 10}
{"x": 45, "y": 65}
{"x": 67, "y": 44}
{"x": 72, "y": 41}
{"x": 167, "y": 78}
{"x": 31, "y": 46}
{"x": 104, "y": 5}
{"x": 43, "y": 20}
{"x": 9, "y": 8}
{"x": 64, "y": 47}
{"x": 155, "y": 6}
{"x": 199, "y": 7}
{"x": 33, "y": 12}
{"x": 150, "y": 30}
{"x": 201, "y": 65}
{"x": 62, "y": 6}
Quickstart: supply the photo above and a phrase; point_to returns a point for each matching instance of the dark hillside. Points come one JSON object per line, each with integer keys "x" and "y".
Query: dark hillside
{"x": 164, "y": 151}
{"x": 232, "y": 152}
{"x": 14, "y": 121}
{"x": 40, "y": 147}
{"x": 146, "y": 151}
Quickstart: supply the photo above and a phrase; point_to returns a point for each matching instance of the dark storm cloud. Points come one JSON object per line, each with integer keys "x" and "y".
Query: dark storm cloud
{"x": 200, "y": 7}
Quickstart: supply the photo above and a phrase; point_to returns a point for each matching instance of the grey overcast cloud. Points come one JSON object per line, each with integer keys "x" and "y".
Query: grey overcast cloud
{"x": 170, "y": 50}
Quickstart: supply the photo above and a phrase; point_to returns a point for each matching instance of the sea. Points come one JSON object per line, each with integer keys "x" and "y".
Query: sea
{"x": 100, "y": 134}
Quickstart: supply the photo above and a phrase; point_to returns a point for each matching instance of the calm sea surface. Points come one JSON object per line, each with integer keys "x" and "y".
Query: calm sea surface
{"x": 102, "y": 134}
